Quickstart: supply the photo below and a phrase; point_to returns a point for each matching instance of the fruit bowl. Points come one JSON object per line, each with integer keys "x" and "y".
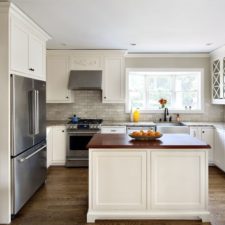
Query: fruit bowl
{"x": 145, "y": 138}
{"x": 145, "y": 135}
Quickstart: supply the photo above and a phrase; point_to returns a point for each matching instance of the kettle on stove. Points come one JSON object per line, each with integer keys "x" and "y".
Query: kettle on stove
{"x": 74, "y": 119}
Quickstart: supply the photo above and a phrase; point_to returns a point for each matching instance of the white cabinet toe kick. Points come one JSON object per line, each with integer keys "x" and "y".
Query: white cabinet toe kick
{"x": 148, "y": 184}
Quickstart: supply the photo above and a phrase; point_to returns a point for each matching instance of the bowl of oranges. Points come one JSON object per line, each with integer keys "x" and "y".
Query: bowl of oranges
{"x": 145, "y": 135}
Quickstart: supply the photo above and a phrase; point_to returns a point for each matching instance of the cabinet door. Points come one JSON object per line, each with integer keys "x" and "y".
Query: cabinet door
{"x": 207, "y": 134}
{"x": 36, "y": 57}
{"x": 119, "y": 181}
{"x": 59, "y": 145}
{"x": 170, "y": 193}
{"x": 195, "y": 132}
{"x": 57, "y": 79}
{"x": 113, "y": 129}
{"x": 219, "y": 153}
{"x": 113, "y": 80}
{"x": 19, "y": 41}
{"x": 49, "y": 146}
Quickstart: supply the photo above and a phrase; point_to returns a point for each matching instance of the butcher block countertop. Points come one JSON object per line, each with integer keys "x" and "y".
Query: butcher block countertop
{"x": 167, "y": 141}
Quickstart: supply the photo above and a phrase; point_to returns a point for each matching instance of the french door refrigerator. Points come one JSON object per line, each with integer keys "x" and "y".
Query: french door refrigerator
{"x": 28, "y": 138}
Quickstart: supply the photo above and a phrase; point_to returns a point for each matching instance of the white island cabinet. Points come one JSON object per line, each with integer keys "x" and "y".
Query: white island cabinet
{"x": 166, "y": 179}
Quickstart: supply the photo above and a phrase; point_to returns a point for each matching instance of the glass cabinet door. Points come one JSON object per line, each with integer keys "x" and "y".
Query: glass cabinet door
{"x": 216, "y": 80}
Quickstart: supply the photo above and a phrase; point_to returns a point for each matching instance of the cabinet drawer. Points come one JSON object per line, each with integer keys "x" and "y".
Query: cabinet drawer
{"x": 113, "y": 130}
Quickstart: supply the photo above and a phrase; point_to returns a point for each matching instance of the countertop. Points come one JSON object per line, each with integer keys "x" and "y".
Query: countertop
{"x": 51, "y": 123}
{"x": 127, "y": 123}
{"x": 219, "y": 125}
{"x": 167, "y": 141}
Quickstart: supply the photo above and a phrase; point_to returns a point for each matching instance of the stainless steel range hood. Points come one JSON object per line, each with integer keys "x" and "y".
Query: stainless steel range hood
{"x": 85, "y": 80}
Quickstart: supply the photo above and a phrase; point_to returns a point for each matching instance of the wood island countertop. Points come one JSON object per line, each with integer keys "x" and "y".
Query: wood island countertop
{"x": 167, "y": 141}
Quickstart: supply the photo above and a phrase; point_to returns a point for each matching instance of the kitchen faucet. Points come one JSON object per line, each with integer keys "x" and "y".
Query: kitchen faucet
{"x": 166, "y": 113}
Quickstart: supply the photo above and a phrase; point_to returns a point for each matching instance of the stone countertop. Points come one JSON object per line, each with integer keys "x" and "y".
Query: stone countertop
{"x": 127, "y": 123}
{"x": 219, "y": 125}
{"x": 51, "y": 123}
{"x": 167, "y": 141}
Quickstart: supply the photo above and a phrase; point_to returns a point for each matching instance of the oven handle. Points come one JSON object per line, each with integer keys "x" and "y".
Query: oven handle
{"x": 77, "y": 159}
{"x": 81, "y": 133}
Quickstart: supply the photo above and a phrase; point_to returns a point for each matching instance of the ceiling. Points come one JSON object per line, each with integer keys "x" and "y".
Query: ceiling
{"x": 164, "y": 26}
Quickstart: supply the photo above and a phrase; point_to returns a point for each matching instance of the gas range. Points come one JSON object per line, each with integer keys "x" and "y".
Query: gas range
{"x": 85, "y": 124}
{"x": 78, "y": 136}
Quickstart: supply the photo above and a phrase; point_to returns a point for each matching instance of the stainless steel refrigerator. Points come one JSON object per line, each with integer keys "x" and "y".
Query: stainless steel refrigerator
{"x": 28, "y": 138}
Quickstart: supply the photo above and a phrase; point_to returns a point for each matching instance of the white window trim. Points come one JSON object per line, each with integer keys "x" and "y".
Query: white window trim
{"x": 201, "y": 70}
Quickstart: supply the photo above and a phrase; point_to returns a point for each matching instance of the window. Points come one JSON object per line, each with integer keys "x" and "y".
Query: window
{"x": 181, "y": 88}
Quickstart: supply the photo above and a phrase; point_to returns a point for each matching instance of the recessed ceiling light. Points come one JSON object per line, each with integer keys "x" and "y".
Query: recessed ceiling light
{"x": 132, "y": 44}
{"x": 209, "y": 44}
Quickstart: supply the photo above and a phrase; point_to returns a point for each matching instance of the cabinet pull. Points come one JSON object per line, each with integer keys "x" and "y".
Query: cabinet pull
{"x": 113, "y": 130}
{"x": 31, "y": 69}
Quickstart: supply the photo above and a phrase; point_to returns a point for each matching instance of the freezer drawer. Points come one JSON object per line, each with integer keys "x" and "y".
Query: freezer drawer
{"x": 28, "y": 174}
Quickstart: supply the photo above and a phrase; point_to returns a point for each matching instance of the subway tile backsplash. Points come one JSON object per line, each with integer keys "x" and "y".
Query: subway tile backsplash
{"x": 88, "y": 104}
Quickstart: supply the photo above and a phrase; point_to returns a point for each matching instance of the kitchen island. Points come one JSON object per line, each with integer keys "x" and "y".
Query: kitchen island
{"x": 162, "y": 179}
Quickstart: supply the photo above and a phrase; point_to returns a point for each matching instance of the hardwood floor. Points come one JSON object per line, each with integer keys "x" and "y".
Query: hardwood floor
{"x": 63, "y": 201}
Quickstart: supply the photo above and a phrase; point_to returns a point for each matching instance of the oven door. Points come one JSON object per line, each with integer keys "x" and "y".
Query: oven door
{"x": 77, "y": 144}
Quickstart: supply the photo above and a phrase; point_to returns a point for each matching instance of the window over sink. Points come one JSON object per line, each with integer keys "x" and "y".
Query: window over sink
{"x": 182, "y": 88}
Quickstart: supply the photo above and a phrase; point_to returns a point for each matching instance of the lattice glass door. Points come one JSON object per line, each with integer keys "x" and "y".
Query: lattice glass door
{"x": 216, "y": 79}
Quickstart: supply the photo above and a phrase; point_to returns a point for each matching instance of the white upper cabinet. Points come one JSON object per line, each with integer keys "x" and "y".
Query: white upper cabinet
{"x": 61, "y": 62}
{"x": 19, "y": 48}
{"x": 27, "y": 46}
{"x": 218, "y": 76}
{"x": 57, "y": 79}
{"x": 113, "y": 80}
{"x": 37, "y": 56}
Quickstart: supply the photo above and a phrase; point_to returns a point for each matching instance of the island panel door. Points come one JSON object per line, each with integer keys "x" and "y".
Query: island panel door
{"x": 120, "y": 180}
{"x": 178, "y": 179}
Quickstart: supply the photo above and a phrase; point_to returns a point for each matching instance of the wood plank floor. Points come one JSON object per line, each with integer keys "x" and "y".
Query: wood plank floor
{"x": 63, "y": 201}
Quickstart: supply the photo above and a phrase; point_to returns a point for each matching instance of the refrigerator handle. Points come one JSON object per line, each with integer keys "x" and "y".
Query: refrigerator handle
{"x": 34, "y": 153}
{"x": 32, "y": 111}
{"x": 36, "y": 118}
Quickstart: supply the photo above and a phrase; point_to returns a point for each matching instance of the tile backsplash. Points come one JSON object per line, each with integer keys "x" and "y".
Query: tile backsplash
{"x": 88, "y": 104}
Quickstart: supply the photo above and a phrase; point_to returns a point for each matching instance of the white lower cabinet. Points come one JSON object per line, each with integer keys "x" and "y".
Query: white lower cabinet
{"x": 113, "y": 129}
{"x": 49, "y": 146}
{"x": 220, "y": 148}
{"x": 58, "y": 145}
{"x": 177, "y": 180}
{"x": 126, "y": 191}
{"x": 206, "y": 134}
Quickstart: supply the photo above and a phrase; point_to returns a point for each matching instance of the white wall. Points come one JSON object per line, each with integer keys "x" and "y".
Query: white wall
{"x": 4, "y": 120}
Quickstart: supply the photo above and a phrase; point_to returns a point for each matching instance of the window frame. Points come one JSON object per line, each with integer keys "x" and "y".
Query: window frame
{"x": 202, "y": 97}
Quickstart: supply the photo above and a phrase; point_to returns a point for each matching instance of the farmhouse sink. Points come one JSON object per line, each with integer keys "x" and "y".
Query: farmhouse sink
{"x": 172, "y": 128}
{"x": 169, "y": 124}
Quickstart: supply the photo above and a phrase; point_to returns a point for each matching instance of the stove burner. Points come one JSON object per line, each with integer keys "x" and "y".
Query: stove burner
{"x": 85, "y": 124}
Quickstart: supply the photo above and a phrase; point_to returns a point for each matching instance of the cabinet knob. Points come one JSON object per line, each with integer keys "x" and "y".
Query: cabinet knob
{"x": 31, "y": 69}
{"x": 63, "y": 131}
{"x": 203, "y": 131}
{"x": 67, "y": 97}
{"x": 105, "y": 97}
